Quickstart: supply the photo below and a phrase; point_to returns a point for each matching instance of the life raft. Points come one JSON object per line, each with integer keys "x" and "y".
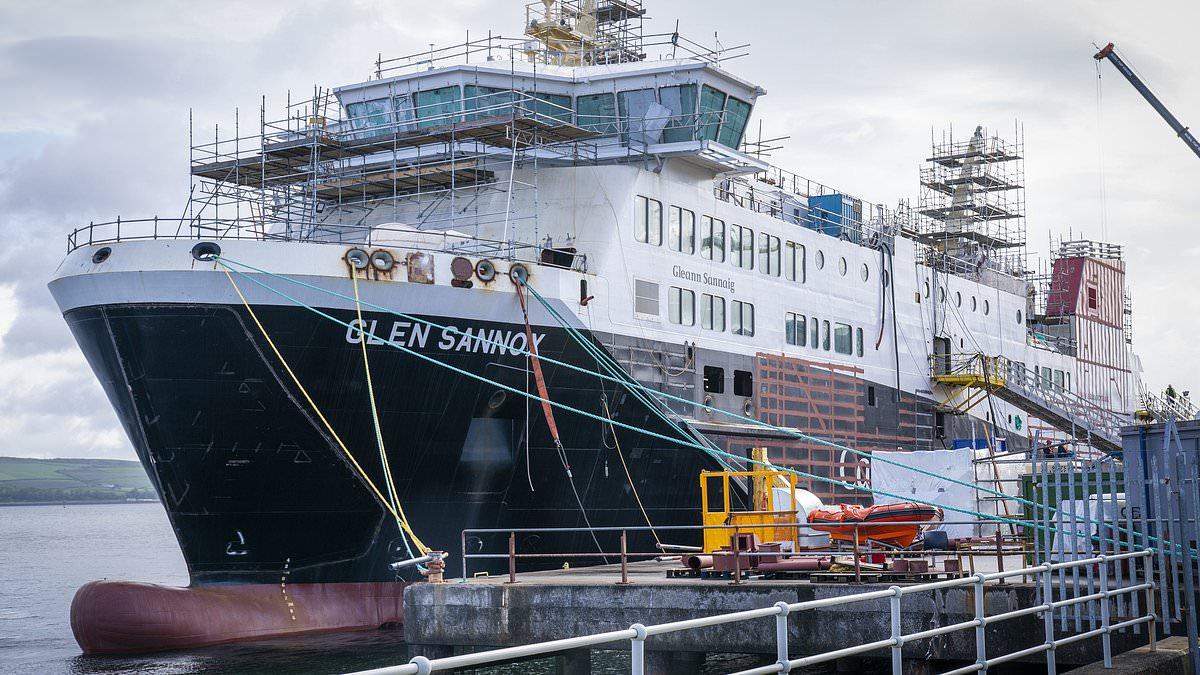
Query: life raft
{"x": 896, "y": 524}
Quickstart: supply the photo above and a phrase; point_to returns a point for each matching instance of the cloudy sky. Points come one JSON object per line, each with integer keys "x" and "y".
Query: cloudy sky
{"x": 97, "y": 98}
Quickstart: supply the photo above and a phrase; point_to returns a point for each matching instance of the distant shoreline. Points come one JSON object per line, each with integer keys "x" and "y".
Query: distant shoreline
{"x": 79, "y": 503}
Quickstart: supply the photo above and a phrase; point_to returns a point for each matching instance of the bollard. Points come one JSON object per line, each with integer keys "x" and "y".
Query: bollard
{"x": 512, "y": 557}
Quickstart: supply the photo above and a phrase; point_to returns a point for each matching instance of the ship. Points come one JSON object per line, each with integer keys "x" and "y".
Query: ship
{"x": 544, "y": 282}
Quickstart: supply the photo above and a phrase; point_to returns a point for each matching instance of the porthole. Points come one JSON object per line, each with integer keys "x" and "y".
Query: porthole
{"x": 497, "y": 399}
{"x": 865, "y": 272}
{"x": 842, "y": 266}
{"x": 1019, "y": 316}
{"x": 926, "y": 289}
{"x": 958, "y": 298}
{"x": 974, "y": 304}
{"x": 941, "y": 293}
{"x": 820, "y": 260}
{"x": 101, "y": 255}
{"x": 986, "y": 308}
{"x": 461, "y": 268}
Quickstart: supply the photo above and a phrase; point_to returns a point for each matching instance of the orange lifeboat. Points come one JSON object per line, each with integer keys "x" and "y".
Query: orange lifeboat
{"x": 896, "y": 524}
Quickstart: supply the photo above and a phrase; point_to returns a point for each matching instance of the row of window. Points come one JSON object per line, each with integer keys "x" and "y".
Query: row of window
{"x": 809, "y": 331}
{"x": 717, "y": 117}
{"x": 975, "y": 303}
{"x": 800, "y": 330}
{"x": 775, "y": 257}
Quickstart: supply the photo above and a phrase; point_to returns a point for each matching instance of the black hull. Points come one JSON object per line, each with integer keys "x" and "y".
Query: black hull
{"x": 256, "y": 488}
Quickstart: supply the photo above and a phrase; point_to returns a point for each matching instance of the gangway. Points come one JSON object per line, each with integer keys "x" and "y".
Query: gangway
{"x": 972, "y": 377}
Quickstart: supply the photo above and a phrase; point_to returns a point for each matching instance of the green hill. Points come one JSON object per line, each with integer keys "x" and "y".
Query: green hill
{"x": 71, "y": 480}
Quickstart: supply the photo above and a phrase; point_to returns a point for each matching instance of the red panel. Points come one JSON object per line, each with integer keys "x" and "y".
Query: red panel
{"x": 1065, "y": 277}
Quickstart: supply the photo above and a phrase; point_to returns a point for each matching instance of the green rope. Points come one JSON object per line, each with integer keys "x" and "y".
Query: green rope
{"x": 685, "y": 443}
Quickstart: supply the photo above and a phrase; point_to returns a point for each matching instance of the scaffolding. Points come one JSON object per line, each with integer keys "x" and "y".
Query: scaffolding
{"x": 971, "y": 211}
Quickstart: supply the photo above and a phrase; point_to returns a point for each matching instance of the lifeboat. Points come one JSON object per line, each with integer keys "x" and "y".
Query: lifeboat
{"x": 895, "y": 524}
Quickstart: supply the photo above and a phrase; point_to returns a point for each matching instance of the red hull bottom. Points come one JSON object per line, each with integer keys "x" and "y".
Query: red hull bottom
{"x": 123, "y": 617}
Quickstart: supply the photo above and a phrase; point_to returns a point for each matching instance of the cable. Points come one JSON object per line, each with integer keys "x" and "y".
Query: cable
{"x": 632, "y": 487}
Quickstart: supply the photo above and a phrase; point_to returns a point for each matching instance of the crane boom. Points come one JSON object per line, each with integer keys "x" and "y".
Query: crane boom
{"x": 1109, "y": 53}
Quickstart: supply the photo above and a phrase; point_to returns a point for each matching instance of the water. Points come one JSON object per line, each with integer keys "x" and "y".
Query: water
{"x": 46, "y": 552}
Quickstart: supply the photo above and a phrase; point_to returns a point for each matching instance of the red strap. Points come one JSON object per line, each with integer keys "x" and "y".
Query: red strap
{"x": 547, "y": 410}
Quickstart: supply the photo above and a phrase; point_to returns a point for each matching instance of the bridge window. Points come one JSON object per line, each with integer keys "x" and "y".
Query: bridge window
{"x": 712, "y": 238}
{"x": 596, "y": 112}
{"x": 796, "y": 328}
{"x": 554, "y": 106}
{"x": 843, "y": 339}
{"x": 768, "y": 255}
{"x": 487, "y": 102}
{"x": 635, "y": 106}
{"x": 645, "y": 298}
{"x": 681, "y": 101}
{"x": 370, "y": 116}
{"x": 712, "y": 312}
{"x": 737, "y": 113}
{"x": 648, "y": 225}
{"x": 681, "y": 230}
{"x": 681, "y": 306}
{"x": 742, "y": 318}
{"x": 436, "y": 107}
{"x": 712, "y": 107}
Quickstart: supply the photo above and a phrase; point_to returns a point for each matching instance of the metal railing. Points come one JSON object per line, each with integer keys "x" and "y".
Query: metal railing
{"x": 637, "y": 634}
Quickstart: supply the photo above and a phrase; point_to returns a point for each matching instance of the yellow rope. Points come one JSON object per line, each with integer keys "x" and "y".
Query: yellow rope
{"x": 312, "y": 404}
{"x": 621, "y": 455}
{"x": 401, "y": 519}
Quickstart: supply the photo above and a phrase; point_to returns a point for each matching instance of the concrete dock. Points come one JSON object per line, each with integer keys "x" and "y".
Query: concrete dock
{"x": 489, "y": 612}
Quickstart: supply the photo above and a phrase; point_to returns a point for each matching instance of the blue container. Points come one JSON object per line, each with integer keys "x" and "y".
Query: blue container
{"x": 836, "y": 215}
{"x": 979, "y": 444}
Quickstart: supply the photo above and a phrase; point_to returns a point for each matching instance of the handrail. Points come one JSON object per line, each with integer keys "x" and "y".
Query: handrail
{"x": 637, "y": 634}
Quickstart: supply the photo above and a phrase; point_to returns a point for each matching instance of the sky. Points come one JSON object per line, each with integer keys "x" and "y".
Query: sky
{"x": 98, "y": 96}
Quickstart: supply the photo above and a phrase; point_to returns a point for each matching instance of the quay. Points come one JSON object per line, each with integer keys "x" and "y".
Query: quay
{"x": 491, "y": 612}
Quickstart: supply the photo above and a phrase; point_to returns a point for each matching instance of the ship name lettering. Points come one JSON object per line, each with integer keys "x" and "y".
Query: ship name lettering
{"x": 451, "y": 338}
{"x": 707, "y": 279}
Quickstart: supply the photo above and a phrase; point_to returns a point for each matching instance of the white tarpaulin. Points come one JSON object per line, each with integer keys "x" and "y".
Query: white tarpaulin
{"x": 911, "y": 485}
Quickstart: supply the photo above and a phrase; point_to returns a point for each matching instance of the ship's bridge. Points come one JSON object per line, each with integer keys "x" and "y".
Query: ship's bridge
{"x": 670, "y": 107}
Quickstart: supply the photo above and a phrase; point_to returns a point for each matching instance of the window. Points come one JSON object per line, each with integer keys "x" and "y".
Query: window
{"x": 843, "y": 339}
{"x": 958, "y": 298}
{"x": 712, "y": 238}
{"x": 712, "y": 312}
{"x": 768, "y": 255}
{"x": 681, "y": 306}
{"x": 1059, "y": 380}
{"x": 825, "y": 335}
{"x": 437, "y": 106}
{"x": 488, "y": 101}
{"x": 634, "y": 107}
{"x": 714, "y": 380}
{"x": 742, "y": 318}
{"x": 555, "y": 106}
{"x": 596, "y": 112}
{"x": 1068, "y": 380}
{"x": 645, "y": 297}
{"x": 820, "y": 259}
{"x": 865, "y": 272}
{"x": 743, "y": 383}
{"x": 925, "y": 289}
{"x": 858, "y": 341}
{"x": 793, "y": 261}
{"x": 1018, "y": 316}
{"x": 1091, "y": 295}
{"x": 681, "y": 230}
{"x": 741, "y": 246}
{"x": 842, "y": 266}
{"x": 986, "y": 308}
{"x": 712, "y": 107}
{"x": 974, "y": 303}
{"x": 681, "y": 101}
{"x": 370, "y": 116}
{"x": 737, "y": 113}
{"x": 648, "y": 225}
{"x": 815, "y": 338}
{"x": 871, "y": 395}
{"x": 796, "y": 329}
